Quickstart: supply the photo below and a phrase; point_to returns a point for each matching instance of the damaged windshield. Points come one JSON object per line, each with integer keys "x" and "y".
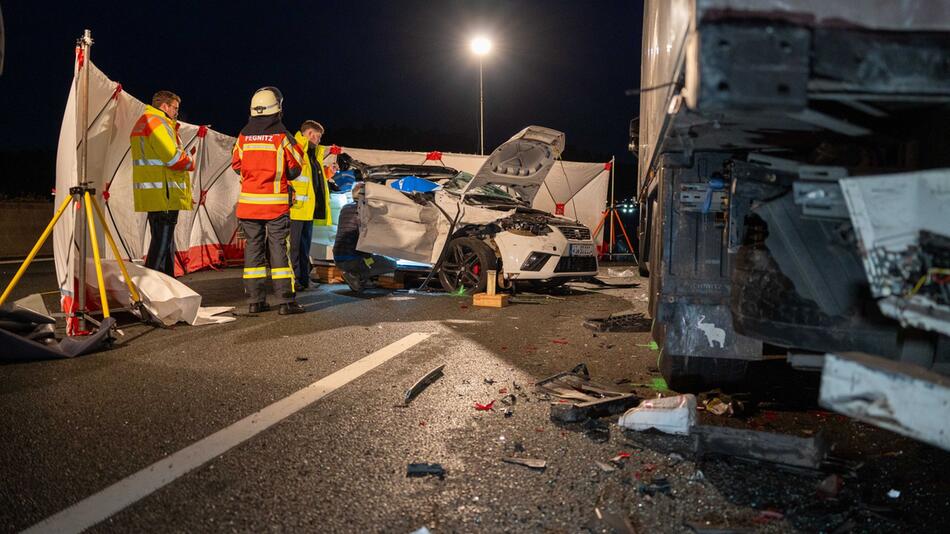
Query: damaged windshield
{"x": 484, "y": 192}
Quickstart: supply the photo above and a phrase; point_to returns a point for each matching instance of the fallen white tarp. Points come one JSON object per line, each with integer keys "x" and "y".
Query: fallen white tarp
{"x": 165, "y": 298}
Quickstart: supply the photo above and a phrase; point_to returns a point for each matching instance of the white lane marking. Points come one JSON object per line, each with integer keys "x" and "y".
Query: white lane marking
{"x": 100, "y": 506}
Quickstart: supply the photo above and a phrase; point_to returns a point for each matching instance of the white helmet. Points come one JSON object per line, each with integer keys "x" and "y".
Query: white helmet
{"x": 267, "y": 101}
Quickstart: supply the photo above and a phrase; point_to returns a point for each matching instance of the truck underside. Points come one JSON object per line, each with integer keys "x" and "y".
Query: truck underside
{"x": 745, "y": 229}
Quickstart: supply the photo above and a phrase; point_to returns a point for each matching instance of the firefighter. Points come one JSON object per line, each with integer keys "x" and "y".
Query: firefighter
{"x": 311, "y": 201}
{"x": 267, "y": 158}
{"x": 359, "y": 268}
{"x": 161, "y": 185}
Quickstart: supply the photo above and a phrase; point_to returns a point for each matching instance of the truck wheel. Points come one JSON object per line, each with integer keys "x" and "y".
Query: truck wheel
{"x": 466, "y": 265}
{"x": 696, "y": 373}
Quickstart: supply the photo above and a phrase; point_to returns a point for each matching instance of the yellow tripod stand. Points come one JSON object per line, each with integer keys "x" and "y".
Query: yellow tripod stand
{"x": 84, "y": 198}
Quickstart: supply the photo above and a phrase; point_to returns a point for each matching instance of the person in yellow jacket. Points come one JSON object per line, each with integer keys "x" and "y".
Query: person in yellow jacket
{"x": 161, "y": 184}
{"x": 311, "y": 201}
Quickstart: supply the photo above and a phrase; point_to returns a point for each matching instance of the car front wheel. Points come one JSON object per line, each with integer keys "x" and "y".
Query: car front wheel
{"x": 466, "y": 265}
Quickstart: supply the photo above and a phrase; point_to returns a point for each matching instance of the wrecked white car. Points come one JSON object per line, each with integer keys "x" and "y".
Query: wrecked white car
{"x": 473, "y": 224}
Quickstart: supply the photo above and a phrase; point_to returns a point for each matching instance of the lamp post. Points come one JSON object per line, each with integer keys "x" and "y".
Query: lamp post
{"x": 481, "y": 46}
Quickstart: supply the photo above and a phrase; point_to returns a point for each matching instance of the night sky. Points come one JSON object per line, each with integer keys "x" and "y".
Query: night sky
{"x": 395, "y": 75}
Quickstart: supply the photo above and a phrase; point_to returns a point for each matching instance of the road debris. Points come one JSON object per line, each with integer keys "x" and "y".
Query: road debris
{"x": 893, "y": 494}
{"x": 778, "y": 449}
{"x": 619, "y": 459}
{"x": 559, "y": 341}
{"x": 671, "y": 415}
{"x": 766, "y": 516}
{"x": 625, "y": 322}
{"x": 422, "y": 470}
{"x": 585, "y": 398}
{"x": 301, "y": 358}
{"x": 490, "y": 381}
{"x": 508, "y": 412}
{"x": 718, "y": 403}
{"x": 605, "y": 467}
{"x": 527, "y": 462}
{"x": 422, "y": 530}
{"x": 509, "y": 400}
{"x": 422, "y": 384}
{"x": 485, "y": 407}
{"x": 697, "y": 476}
{"x": 830, "y": 486}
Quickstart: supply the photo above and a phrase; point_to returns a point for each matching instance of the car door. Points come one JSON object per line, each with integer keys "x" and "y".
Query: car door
{"x": 396, "y": 225}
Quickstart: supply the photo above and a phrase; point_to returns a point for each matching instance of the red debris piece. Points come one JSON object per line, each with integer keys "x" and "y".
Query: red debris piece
{"x": 539, "y": 429}
{"x": 504, "y": 347}
{"x": 485, "y": 407}
{"x": 559, "y": 341}
{"x": 422, "y": 423}
{"x": 620, "y": 457}
{"x": 649, "y": 467}
{"x": 464, "y": 306}
{"x": 503, "y": 391}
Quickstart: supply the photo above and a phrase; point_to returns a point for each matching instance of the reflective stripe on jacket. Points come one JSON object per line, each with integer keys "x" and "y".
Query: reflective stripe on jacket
{"x": 265, "y": 162}
{"x": 160, "y": 165}
{"x": 305, "y": 200}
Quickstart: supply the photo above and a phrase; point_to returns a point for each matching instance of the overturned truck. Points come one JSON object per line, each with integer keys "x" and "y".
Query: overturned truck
{"x": 794, "y": 182}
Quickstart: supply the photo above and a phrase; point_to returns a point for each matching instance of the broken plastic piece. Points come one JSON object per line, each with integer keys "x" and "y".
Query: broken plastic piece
{"x": 421, "y": 470}
{"x": 605, "y": 467}
{"x": 672, "y": 415}
{"x": 527, "y": 462}
{"x": 508, "y": 412}
{"x": 422, "y": 383}
{"x": 585, "y": 398}
{"x": 621, "y": 456}
{"x": 485, "y": 407}
{"x": 894, "y": 494}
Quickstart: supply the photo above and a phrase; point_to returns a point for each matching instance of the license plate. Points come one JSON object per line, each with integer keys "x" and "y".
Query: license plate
{"x": 581, "y": 250}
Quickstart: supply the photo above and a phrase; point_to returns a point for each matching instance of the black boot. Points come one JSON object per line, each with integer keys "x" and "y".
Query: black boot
{"x": 291, "y": 308}
{"x": 258, "y": 307}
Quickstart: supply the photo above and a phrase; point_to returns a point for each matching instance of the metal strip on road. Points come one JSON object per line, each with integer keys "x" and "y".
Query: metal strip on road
{"x": 100, "y": 506}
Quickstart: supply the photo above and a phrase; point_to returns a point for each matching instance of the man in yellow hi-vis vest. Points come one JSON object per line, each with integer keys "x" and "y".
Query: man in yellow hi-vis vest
{"x": 161, "y": 184}
{"x": 311, "y": 201}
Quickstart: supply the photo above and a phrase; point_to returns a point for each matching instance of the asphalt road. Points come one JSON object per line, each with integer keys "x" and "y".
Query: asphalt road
{"x": 71, "y": 428}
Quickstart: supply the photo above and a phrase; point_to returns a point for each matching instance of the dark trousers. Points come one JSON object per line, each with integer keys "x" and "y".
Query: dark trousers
{"x": 367, "y": 267}
{"x": 301, "y": 234}
{"x": 161, "y": 249}
{"x": 267, "y": 240}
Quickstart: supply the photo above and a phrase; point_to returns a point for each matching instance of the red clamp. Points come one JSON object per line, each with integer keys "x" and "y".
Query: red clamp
{"x": 609, "y": 165}
{"x": 118, "y": 89}
{"x": 335, "y": 150}
{"x": 105, "y": 192}
{"x": 202, "y": 131}
{"x": 435, "y": 155}
{"x": 80, "y": 57}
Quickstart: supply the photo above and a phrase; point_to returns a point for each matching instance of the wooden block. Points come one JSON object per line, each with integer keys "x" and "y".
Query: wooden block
{"x": 328, "y": 274}
{"x": 390, "y": 282}
{"x": 490, "y": 301}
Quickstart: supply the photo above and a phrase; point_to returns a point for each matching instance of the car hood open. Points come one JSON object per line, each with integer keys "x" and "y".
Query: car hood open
{"x": 522, "y": 163}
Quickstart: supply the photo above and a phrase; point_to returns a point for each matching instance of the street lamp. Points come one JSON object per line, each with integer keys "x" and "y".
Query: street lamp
{"x": 481, "y": 46}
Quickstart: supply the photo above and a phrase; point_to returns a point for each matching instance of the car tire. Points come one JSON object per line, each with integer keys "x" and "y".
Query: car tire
{"x": 466, "y": 264}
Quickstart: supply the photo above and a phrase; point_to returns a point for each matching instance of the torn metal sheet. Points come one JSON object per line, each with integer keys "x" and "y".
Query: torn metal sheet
{"x": 779, "y": 449}
{"x": 28, "y": 335}
{"x": 584, "y": 397}
{"x": 901, "y": 224}
{"x": 901, "y": 397}
{"x": 422, "y": 383}
{"x": 533, "y": 463}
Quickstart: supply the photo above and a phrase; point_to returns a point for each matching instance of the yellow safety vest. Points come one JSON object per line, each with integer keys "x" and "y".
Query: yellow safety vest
{"x": 305, "y": 201}
{"x": 160, "y": 165}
